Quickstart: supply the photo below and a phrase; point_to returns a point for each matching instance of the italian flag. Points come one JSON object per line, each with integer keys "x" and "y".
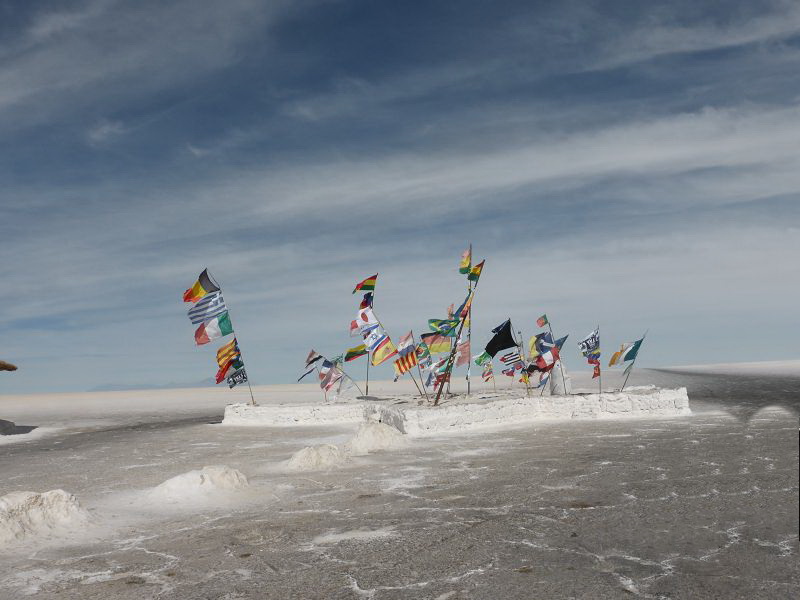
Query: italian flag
{"x": 215, "y": 328}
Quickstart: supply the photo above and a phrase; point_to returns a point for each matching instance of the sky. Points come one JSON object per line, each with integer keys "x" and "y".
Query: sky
{"x": 630, "y": 164}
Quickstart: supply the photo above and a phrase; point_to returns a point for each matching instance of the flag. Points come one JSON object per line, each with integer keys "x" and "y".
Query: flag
{"x": 355, "y": 352}
{"x": 436, "y": 342}
{"x": 596, "y": 372}
{"x": 463, "y": 353}
{"x": 463, "y": 310}
{"x": 384, "y": 350}
{"x": 441, "y": 379}
{"x": 560, "y": 341}
{"x": 330, "y": 379}
{"x": 444, "y": 326}
{"x": 368, "y": 285}
{"x": 451, "y": 310}
{"x": 618, "y": 354}
{"x": 503, "y": 338}
{"x": 227, "y": 352}
{"x": 364, "y": 322}
{"x": 337, "y": 360}
{"x": 510, "y": 357}
{"x": 590, "y": 348}
{"x": 475, "y": 272}
{"x": 483, "y": 358}
{"x": 210, "y": 306}
{"x": 488, "y": 372}
{"x": 422, "y": 352}
{"x": 632, "y": 351}
{"x": 374, "y": 337}
{"x": 367, "y": 301}
{"x": 542, "y": 321}
{"x": 324, "y": 368}
{"x": 406, "y": 344}
{"x": 404, "y": 363}
{"x": 237, "y": 377}
{"x": 524, "y": 379}
{"x": 312, "y": 357}
{"x": 218, "y": 327}
{"x": 223, "y": 370}
{"x": 547, "y": 360}
{"x": 543, "y": 379}
{"x": 508, "y": 372}
{"x": 466, "y": 261}
{"x": 201, "y": 287}
{"x": 532, "y": 351}
{"x": 311, "y": 370}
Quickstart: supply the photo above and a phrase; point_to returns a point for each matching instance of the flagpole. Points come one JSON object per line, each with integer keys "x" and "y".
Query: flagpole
{"x": 369, "y": 357}
{"x": 419, "y": 369}
{"x": 633, "y": 363}
{"x": 599, "y": 370}
{"x": 469, "y": 329}
{"x": 235, "y": 336}
{"x": 520, "y": 351}
{"x": 449, "y": 365}
{"x": 560, "y": 367}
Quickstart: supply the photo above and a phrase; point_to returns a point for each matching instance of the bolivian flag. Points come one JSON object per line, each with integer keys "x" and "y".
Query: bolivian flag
{"x": 201, "y": 287}
{"x": 466, "y": 261}
{"x": 475, "y": 272}
{"x": 354, "y": 353}
{"x": 368, "y": 285}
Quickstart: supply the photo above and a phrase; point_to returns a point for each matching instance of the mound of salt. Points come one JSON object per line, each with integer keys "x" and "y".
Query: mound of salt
{"x": 374, "y": 436}
{"x": 200, "y": 483}
{"x": 316, "y": 458}
{"x": 26, "y": 514}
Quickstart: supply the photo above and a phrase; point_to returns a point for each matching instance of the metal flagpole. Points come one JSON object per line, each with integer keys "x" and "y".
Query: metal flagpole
{"x": 633, "y": 363}
{"x": 469, "y": 329}
{"x": 369, "y": 357}
{"x": 520, "y": 350}
{"x": 560, "y": 367}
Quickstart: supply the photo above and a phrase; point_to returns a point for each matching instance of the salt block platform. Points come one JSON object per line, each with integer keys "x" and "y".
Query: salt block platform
{"x": 645, "y": 402}
{"x": 467, "y": 414}
{"x": 293, "y": 415}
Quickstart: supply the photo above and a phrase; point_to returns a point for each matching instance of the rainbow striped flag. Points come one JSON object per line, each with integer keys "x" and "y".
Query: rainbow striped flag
{"x": 368, "y": 285}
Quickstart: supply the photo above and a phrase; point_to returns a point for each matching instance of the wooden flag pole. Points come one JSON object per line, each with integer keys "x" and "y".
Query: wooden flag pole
{"x": 633, "y": 363}
{"x": 419, "y": 369}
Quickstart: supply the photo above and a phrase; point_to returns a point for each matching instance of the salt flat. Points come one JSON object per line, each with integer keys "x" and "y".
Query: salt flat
{"x": 695, "y": 506}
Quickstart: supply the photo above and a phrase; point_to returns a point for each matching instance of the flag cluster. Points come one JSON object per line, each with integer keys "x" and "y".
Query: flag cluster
{"x": 211, "y": 313}
{"x": 590, "y": 348}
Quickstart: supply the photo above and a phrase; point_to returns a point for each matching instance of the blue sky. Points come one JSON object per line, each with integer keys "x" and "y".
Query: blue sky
{"x": 632, "y": 164}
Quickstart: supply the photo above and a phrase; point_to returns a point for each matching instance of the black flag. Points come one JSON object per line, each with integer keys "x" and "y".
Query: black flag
{"x": 502, "y": 339}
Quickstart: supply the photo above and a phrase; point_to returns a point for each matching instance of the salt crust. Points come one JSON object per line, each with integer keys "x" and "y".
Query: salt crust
{"x": 29, "y": 514}
{"x": 370, "y": 437}
{"x": 639, "y": 402}
{"x": 489, "y": 411}
{"x": 199, "y": 483}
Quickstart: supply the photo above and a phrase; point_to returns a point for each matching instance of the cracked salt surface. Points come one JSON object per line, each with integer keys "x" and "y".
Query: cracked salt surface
{"x": 543, "y": 510}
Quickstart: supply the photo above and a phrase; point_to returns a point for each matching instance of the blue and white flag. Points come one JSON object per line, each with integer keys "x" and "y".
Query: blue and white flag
{"x": 207, "y": 308}
{"x": 374, "y": 338}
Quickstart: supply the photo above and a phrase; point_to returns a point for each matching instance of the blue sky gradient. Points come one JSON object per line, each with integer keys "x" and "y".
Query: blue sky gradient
{"x": 633, "y": 164}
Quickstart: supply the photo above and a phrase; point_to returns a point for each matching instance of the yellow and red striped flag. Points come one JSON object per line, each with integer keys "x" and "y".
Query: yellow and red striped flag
{"x": 404, "y": 363}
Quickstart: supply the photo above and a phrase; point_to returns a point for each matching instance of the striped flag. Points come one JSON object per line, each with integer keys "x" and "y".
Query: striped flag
{"x": 488, "y": 372}
{"x": 406, "y": 345}
{"x": 207, "y": 308}
{"x": 229, "y": 351}
{"x": 510, "y": 357}
{"x": 404, "y": 363}
{"x": 463, "y": 353}
{"x": 368, "y": 285}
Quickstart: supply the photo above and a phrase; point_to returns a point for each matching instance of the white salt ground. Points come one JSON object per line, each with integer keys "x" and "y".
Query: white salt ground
{"x": 31, "y": 514}
{"x": 199, "y": 484}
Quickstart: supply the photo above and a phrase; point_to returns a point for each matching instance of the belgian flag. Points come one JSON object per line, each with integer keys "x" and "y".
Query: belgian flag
{"x": 201, "y": 287}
